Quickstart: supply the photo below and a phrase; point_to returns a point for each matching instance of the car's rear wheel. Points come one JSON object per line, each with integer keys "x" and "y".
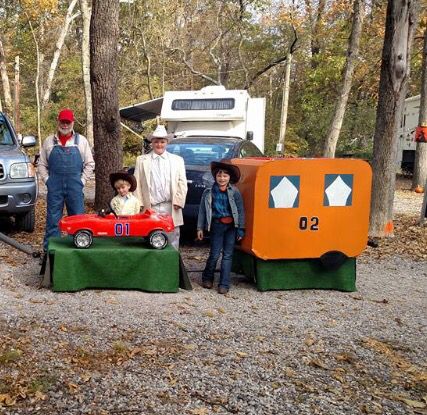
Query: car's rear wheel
{"x": 83, "y": 239}
{"x": 158, "y": 240}
{"x": 26, "y": 221}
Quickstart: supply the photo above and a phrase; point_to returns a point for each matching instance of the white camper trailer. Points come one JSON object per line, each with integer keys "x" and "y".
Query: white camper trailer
{"x": 211, "y": 112}
{"x": 406, "y": 144}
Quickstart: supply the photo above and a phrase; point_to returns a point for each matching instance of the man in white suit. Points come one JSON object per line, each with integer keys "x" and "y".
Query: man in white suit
{"x": 161, "y": 181}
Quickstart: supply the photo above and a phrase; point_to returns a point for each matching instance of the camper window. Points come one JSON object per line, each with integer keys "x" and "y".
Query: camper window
{"x": 203, "y": 104}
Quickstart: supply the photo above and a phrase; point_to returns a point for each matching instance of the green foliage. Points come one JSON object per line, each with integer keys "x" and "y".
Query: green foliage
{"x": 155, "y": 36}
{"x": 42, "y": 383}
{"x": 10, "y": 356}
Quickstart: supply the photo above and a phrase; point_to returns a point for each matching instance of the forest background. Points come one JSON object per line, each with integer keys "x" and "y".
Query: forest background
{"x": 188, "y": 44}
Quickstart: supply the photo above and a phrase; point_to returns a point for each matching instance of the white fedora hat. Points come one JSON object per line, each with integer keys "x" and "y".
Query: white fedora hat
{"x": 160, "y": 132}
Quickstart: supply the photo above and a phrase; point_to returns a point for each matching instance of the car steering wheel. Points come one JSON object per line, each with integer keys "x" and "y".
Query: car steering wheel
{"x": 113, "y": 211}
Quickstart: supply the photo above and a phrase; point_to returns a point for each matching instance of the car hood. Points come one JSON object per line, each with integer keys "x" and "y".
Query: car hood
{"x": 11, "y": 153}
{"x": 79, "y": 218}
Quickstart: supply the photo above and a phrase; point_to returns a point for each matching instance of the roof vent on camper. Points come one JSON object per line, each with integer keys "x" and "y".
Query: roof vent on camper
{"x": 213, "y": 89}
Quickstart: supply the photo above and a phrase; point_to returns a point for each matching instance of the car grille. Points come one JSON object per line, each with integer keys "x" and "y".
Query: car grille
{"x": 1, "y": 171}
{"x": 3, "y": 200}
{"x": 195, "y": 187}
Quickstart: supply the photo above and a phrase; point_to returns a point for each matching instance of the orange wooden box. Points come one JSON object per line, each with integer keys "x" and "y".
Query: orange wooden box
{"x": 304, "y": 208}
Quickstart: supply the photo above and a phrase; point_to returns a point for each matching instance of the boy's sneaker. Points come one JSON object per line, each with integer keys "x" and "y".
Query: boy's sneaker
{"x": 207, "y": 284}
{"x": 222, "y": 290}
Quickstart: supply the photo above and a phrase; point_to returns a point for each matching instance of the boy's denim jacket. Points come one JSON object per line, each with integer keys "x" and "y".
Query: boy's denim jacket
{"x": 204, "y": 218}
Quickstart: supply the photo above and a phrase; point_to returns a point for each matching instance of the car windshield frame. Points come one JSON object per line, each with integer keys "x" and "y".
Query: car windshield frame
{"x": 6, "y": 135}
{"x": 202, "y": 154}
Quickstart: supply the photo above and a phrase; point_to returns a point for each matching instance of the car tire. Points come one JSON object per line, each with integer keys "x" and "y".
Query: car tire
{"x": 83, "y": 239}
{"x": 26, "y": 221}
{"x": 158, "y": 240}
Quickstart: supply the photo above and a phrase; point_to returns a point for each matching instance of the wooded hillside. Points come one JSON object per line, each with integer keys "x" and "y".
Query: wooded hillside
{"x": 187, "y": 44}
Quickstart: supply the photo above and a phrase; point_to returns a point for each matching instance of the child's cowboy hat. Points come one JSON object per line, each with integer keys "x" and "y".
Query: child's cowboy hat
{"x": 160, "y": 132}
{"x": 231, "y": 169}
{"x": 123, "y": 175}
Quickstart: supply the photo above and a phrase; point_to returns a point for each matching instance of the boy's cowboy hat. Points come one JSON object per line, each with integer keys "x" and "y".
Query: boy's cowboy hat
{"x": 231, "y": 169}
{"x": 123, "y": 175}
{"x": 160, "y": 132}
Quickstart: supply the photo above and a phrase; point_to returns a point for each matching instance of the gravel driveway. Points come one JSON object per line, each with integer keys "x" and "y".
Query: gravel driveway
{"x": 196, "y": 352}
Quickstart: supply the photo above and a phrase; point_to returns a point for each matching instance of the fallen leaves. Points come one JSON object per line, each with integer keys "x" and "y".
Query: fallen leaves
{"x": 7, "y": 400}
{"x": 413, "y": 404}
{"x": 318, "y": 363}
{"x": 409, "y": 240}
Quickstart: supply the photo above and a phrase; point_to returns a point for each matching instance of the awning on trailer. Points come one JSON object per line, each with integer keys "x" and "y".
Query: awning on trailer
{"x": 143, "y": 111}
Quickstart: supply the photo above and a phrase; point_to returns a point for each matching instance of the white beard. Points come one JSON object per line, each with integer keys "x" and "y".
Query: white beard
{"x": 65, "y": 131}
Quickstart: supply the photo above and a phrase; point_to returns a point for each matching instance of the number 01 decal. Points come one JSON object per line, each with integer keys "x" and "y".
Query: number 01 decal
{"x": 311, "y": 224}
{"x": 121, "y": 229}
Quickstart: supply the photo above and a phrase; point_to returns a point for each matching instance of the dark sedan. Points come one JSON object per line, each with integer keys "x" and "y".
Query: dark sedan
{"x": 197, "y": 153}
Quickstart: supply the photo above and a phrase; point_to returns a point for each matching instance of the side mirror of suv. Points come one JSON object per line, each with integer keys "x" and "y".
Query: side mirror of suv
{"x": 28, "y": 141}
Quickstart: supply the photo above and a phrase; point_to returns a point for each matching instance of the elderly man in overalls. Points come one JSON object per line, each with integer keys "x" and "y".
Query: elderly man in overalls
{"x": 65, "y": 164}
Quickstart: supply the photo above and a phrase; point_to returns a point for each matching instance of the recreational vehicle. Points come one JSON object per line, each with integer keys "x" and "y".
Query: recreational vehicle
{"x": 406, "y": 144}
{"x": 212, "y": 111}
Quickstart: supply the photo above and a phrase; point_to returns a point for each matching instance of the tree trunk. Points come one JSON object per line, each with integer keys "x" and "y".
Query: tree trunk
{"x": 86, "y": 12}
{"x": 17, "y": 111}
{"x": 353, "y": 51}
{"x": 420, "y": 167}
{"x": 400, "y": 25}
{"x": 5, "y": 81}
{"x": 104, "y": 33}
{"x": 148, "y": 59}
{"x": 37, "y": 81}
{"x": 59, "y": 44}
{"x": 316, "y": 35}
{"x": 285, "y": 98}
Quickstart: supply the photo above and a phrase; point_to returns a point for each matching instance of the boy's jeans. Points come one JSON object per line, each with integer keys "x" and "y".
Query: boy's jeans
{"x": 222, "y": 237}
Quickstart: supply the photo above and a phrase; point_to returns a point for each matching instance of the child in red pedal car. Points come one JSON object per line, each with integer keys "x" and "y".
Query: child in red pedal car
{"x": 124, "y": 203}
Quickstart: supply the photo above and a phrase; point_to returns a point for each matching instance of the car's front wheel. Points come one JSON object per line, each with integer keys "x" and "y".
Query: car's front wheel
{"x": 83, "y": 239}
{"x": 158, "y": 239}
{"x": 26, "y": 221}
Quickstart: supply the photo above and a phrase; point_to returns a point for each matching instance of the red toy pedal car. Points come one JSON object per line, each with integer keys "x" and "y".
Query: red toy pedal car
{"x": 149, "y": 225}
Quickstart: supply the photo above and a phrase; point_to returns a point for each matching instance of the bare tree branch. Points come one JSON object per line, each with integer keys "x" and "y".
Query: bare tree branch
{"x": 262, "y": 71}
{"x": 192, "y": 70}
{"x": 59, "y": 44}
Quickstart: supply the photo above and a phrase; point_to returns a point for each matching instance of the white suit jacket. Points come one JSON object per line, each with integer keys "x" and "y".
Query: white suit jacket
{"x": 178, "y": 183}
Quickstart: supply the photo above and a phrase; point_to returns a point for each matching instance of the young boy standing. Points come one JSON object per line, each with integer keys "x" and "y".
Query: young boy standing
{"x": 221, "y": 212}
{"x": 124, "y": 203}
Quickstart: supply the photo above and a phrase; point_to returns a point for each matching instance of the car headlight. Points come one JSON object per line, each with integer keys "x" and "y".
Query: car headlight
{"x": 21, "y": 170}
{"x": 207, "y": 179}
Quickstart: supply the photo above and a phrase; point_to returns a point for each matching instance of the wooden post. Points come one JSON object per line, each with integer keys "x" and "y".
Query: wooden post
{"x": 17, "y": 114}
{"x": 280, "y": 148}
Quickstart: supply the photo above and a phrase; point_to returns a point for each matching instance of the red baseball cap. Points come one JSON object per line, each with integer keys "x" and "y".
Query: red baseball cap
{"x": 66, "y": 115}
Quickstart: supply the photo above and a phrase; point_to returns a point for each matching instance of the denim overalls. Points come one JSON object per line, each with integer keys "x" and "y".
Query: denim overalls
{"x": 64, "y": 185}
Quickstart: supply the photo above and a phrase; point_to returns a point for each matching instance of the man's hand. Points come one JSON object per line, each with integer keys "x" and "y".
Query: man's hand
{"x": 200, "y": 235}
